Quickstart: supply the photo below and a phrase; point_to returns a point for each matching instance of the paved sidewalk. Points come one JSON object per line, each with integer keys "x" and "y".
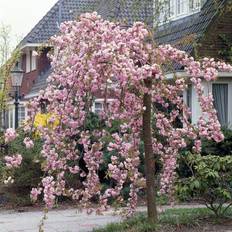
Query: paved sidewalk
{"x": 69, "y": 220}
{"x": 58, "y": 221}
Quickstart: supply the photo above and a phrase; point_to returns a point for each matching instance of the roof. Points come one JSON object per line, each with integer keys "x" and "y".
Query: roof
{"x": 70, "y": 9}
{"x": 183, "y": 33}
{"x": 186, "y": 32}
{"x": 49, "y": 24}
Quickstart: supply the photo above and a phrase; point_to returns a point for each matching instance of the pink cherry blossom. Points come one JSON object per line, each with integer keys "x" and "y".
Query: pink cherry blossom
{"x": 10, "y": 135}
{"x": 48, "y": 190}
{"x": 90, "y": 54}
{"x": 35, "y": 192}
{"x": 13, "y": 161}
{"x": 28, "y": 143}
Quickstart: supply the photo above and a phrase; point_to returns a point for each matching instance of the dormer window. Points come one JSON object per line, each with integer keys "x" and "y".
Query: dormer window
{"x": 175, "y": 9}
{"x": 31, "y": 61}
{"x": 194, "y": 5}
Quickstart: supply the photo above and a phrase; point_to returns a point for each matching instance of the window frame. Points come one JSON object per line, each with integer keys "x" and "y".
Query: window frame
{"x": 97, "y": 110}
{"x": 10, "y": 115}
{"x": 166, "y": 15}
{"x": 227, "y": 116}
{"x": 31, "y": 61}
{"x": 21, "y": 119}
{"x": 101, "y": 101}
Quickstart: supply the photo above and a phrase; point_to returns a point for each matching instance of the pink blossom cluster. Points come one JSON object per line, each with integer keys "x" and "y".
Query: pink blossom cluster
{"x": 28, "y": 143}
{"x": 35, "y": 192}
{"x": 10, "y": 135}
{"x": 13, "y": 161}
{"x": 90, "y": 54}
{"x": 48, "y": 184}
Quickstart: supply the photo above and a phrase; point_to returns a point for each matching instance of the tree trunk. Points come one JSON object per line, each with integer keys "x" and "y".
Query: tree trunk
{"x": 149, "y": 157}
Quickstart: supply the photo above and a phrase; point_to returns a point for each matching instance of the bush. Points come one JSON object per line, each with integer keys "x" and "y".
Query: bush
{"x": 27, "y": 176}
{"x": 210, "y": 182}
{"x": 209, "y": 147}
{"x": 219, "y": 149}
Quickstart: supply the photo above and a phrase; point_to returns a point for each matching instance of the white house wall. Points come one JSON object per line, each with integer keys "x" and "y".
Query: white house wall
{"x": 196, "y": 109}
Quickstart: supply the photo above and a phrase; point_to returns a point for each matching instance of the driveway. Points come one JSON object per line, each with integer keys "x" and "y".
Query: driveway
{"x": 58, "y": 221}
{"x": 68, "y": 220}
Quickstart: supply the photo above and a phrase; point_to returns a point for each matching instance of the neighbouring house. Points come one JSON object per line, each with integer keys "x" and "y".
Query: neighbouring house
{"x": 201, "y": 28}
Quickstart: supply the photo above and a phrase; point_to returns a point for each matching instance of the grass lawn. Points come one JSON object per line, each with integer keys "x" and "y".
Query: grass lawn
{"x": 181, "y": 220}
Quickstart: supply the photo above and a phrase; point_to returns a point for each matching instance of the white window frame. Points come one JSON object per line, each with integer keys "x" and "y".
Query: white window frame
{"x": 196, "y": 6}
{"x": 28, "y": 62}
{"x": 166, "y": 15}
{"x": 181, "y": 7}
{"x": 31, "y": 61}
{"x": 223, "y": 80}
{"x": 11, "y": 114}
{"x": 22, "y": 113}
{"x": 100, "y": 100}
{"x": 11, "y": 119}
{"x": 98, "y": 109}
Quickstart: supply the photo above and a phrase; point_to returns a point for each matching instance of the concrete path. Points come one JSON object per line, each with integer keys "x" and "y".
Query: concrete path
{"x": 58, "y": 221}
{"x": 68, "y": 220}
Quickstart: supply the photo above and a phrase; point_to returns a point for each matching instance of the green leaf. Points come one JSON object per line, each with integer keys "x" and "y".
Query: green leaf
{"x": 196, "y": 184}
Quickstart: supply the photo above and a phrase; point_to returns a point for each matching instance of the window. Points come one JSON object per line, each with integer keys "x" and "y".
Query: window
{"x": 11, "y": 118}
{"x": 31, "y": 61}
{"x": 220, "y": 95}
{"x": 22, "y": 115}
{"x": 43, "y": 106}
{"x": 5, "y": 119}
{"x": 173, "y": 9}
{"x": 164, "y": 10}
{"x": 181, "y": 7}
{"x": 98, "y": 107}
{"x": 194, "y": 5}
{"x": 189, "y": 97}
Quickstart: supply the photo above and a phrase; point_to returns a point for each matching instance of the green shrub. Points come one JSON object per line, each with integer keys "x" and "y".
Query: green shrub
{"x": 209, "y": 147}
{"x": 223, "y": 148}
{"x": 210, "y": 182}
{"x": 27, "y": 176}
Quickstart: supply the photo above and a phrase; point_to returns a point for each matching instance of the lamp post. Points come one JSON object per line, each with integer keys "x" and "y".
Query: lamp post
{"x": 2, "y": 113}
{"x": 16, "y": 79}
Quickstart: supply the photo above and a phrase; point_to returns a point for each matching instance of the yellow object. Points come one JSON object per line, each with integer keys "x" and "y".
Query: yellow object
{"x": 46, "y": 120}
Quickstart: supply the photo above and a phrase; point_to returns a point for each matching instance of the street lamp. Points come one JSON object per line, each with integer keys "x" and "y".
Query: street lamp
{"x": 2, "y": 113}
{"x": 16, "y": 79}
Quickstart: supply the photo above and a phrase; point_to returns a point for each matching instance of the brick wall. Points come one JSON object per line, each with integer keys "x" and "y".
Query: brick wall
{"x": 29, "y": 78}
{"x": 212, "y": 44}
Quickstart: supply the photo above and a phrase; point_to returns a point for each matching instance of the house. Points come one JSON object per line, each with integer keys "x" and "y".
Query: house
{"x": 201, "y": 28}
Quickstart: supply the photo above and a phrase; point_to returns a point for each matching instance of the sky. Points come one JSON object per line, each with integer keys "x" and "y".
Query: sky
{"x": 22, "y": 15}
